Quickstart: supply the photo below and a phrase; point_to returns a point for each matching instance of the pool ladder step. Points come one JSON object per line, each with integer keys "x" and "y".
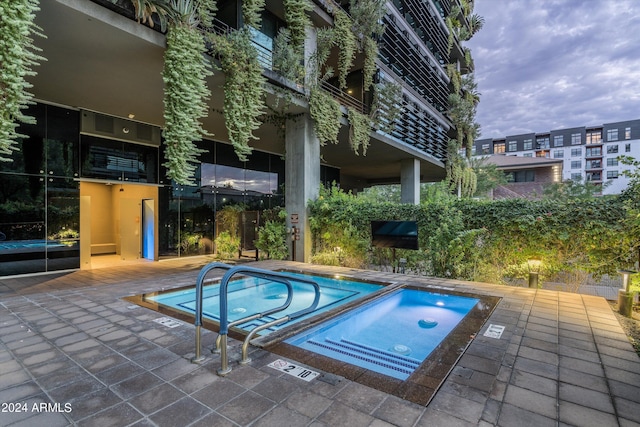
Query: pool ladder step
{"x": 386, "y": 359}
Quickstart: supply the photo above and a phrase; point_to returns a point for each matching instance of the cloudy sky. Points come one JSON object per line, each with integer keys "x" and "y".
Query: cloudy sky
{"x": 552, "y": 64}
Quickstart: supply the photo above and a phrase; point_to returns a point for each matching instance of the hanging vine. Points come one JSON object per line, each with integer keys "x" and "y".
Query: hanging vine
{"x": 185, "y": 99}
{"x": 243, "y": 87}
{"x": 295, "y": 15}
{"x": 17, "y": 58}
{"x": 346, "y": 41}
{"x": 186, "y": 93}
{"x": 369, "y": 65}
{"x": 387, "y": 106}
{"x": 359, "y": 131}
{"x": 252, "y": 12}
{"x": 326, "y": 114}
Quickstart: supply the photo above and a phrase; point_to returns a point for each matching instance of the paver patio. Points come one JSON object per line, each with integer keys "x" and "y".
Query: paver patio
{"x": 73, "y": 347}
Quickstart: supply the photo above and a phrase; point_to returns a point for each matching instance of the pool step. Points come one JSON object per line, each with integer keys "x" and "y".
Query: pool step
{"x": 376, "y": 356}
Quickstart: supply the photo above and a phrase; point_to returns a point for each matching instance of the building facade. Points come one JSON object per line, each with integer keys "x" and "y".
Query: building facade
{"x": 589, "y": 154}
{"x": 89, "y": 179}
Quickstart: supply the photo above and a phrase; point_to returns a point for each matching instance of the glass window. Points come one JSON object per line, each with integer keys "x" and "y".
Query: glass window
{"x": 558, "y": 140}
{"x": 576, "y": 139}
{"x": 485, "y": 149}
{"x": 527, "y": 155}
{"x": 612, "y": 134}
{"x": 612, "y": 161}
{"x": 558, "y": 154}
{"x": 543, "y": 154}
{"x": 576, "y": 177}
{"x": 594, "y": 137}
{"x": 576, "y": 164}
{"x": 576, "y": 152}
{"x": 528, "y": 144}
{"x": 627, "y": 148}
{"x": 542, "y": 142}
{"x": 594, "y": 176}
{"x": 594, "y": 151}
{"x": 594, "y": 164}
{"x": 513, "y": 145}
{"x": 612, "y": 174}
{"x": 627, "y": 133}
{"x": 612, "y": 149}
{"x": 473, "y": 150}
{"x": 499, "y": 147}
{"x": 115, "y": 160}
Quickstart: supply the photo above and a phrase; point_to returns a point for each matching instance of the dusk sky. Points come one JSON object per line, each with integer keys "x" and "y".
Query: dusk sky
{"x": 543, "y": 65}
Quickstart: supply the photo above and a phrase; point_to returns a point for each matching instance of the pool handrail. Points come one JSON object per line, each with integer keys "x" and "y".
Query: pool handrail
{"x": 224, "y": 319}
{"x": 284, "y": 319}
{"x": 199, "y": 301}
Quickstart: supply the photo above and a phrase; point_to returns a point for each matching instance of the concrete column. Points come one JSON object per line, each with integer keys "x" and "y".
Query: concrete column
{"x": 410, "y": 181}
{"x": 302, "y": 180}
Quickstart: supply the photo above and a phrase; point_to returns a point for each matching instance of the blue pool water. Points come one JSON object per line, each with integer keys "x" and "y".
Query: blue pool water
{"x": 252, "y": 295}
{"x": 392, "y": 335}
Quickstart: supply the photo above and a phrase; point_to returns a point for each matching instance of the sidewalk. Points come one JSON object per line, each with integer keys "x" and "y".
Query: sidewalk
{"x": 70, "y": 345}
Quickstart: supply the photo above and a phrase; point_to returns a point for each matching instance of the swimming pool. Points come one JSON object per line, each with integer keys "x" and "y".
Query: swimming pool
{"x": 251, "y": 295}
{"x": 391, "y": 335}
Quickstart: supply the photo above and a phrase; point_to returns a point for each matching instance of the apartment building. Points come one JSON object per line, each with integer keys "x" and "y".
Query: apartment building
{"x": 589, "y": 154}
{"x": 89, "y": 179}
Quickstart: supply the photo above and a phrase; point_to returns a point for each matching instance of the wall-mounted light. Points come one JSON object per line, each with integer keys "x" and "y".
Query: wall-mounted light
{"x": 125, "y": 130}
{"x": 131, "y": 115}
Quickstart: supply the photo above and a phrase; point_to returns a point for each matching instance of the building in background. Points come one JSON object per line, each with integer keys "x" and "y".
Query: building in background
{"x": 527, "y": 177}
{"x": 89, "y": 179}
{"x": 589, "y": 154}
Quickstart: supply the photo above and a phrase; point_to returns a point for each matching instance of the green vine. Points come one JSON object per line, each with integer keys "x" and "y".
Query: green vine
{"x": 17, "y": 58}
{"x": 287, "y": 60}
{"x": 359, "y": 131}
{"x": 370, "y": 48}
{"x": 295, "y": 15}
{"x": 326, "y": 114}
{"x": 252, "y": 12}
{"x": 347, "y": 43}
{"x": 243, "y": 87}
{"x": 185, "y": 99}
{"x": 387, "y": 106}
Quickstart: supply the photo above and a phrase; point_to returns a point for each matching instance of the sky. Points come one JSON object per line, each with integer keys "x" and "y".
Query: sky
{"x": 543, "y": 65}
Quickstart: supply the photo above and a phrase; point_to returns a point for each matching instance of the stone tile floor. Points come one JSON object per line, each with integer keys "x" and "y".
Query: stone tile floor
{"x": 72, "y": 352}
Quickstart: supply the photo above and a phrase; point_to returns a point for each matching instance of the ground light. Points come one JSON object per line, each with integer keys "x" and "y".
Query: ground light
{"x": 534, "y": 270}
{"x": 625, "y": 297}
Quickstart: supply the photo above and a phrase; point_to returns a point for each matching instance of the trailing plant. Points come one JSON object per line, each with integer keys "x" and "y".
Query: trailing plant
{"x": 297, "y": 19}
{"x": 387, "y": 106}
{"x": 326, "y": 114}
{"x": 18, "y": 57}
{"x": 346, "y": 41}
{"x": 186, "y": 93}
{"x": 145, "y": 9}
{"x": 287, "y": 59}
{"x": 185, "y": 100}
{"x": 251, "y": 13}
{"x": 369, "y": 68}
{"x": 359, "y": 131}
{"x": 243, "y": 87}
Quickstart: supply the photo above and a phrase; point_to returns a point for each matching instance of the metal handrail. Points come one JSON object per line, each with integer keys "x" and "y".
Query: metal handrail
{"x": 299, "y": 313}
{"x": 221, "y": 341}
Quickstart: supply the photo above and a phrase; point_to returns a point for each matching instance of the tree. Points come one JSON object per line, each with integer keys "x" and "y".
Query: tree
{"x": 488, "y": 176}
{"x": 573, "y": 189}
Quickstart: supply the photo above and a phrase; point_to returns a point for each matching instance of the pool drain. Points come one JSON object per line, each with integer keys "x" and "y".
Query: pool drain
{"x": 427, "y": 323}
{"x": 238, "y": 310}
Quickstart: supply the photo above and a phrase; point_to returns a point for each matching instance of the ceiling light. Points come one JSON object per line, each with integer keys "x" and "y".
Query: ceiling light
{"x": 131, "y": 115}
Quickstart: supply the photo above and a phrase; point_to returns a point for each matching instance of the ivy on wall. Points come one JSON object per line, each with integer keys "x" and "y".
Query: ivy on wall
{"x": 243, "y": 87}
{"x": 18, "y": 56}
{"x": 345, "y": 39}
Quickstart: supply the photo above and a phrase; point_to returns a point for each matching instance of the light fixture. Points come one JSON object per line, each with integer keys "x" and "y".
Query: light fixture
{"x": 131, "y": 115}
{"x": 121, "y": 188}
{"x": 534, "y": 264}
{"x": 625, "y": 297}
